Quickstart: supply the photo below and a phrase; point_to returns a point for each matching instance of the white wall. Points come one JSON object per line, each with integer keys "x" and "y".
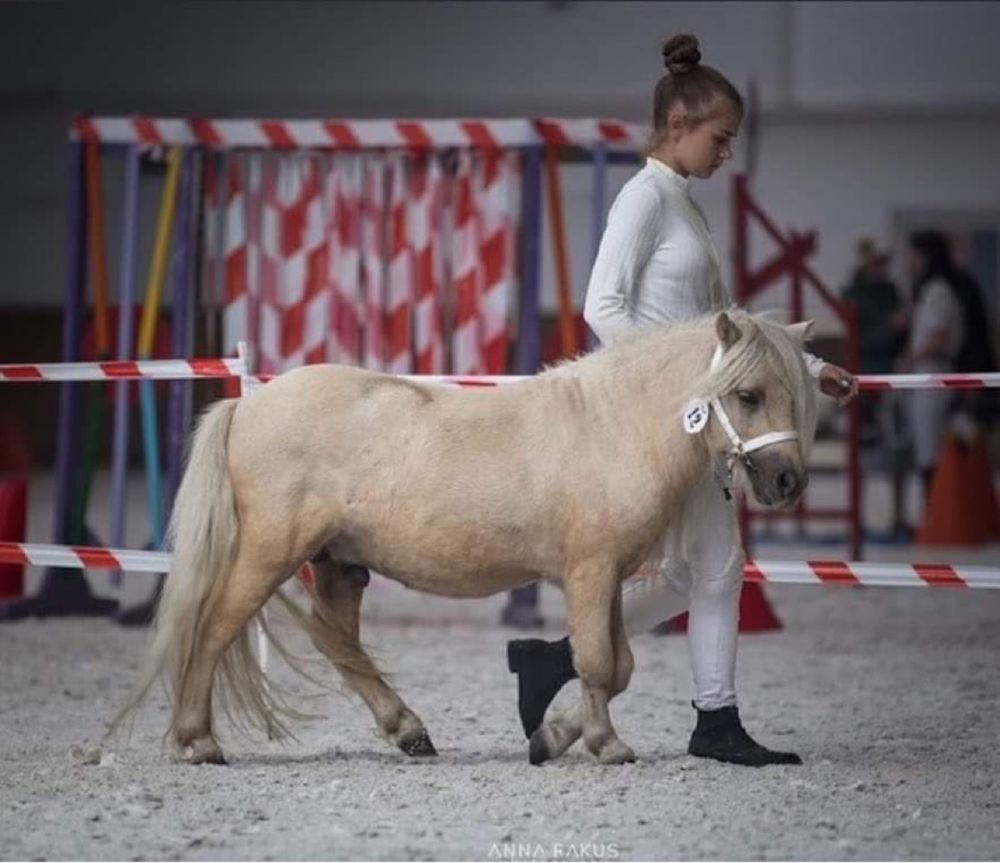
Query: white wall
{"x": 838, "y": 149}
{"x": 896, "y": 55}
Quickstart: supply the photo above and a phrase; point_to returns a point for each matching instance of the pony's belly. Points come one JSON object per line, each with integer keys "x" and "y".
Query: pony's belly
{"x": 460, "y": 584}
{"x": 470, "y": 587}
{"x": 444, "y": 560}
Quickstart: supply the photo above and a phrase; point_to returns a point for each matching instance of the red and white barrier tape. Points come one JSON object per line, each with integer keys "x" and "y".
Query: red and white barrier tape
{"x": 356, "y": 134}
{"x": 233, "y": 368}
{"x": 836, "y": 572}
{"x": 84, "y": 557}
{"x": 871, "y": 574}
{"x": 987, "y": 380}
{"x": 866, "y": 383}
{"x": 123, "y": 370}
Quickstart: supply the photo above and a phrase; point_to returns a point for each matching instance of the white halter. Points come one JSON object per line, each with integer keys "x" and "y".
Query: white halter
{"x": 741, "y": 449}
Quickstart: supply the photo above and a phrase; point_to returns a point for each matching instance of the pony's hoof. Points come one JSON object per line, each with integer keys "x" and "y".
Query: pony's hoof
{"x": 204, "y": 752}
{"x": 538, "y": 748}
{"x": 616, "y": 752}
{"x": 419, "y": 746}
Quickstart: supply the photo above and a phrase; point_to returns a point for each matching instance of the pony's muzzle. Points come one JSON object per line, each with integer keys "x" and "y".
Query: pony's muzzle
{"x": 779, "y": 482}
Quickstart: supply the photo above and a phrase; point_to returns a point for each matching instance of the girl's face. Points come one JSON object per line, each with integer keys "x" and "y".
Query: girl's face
{"x": 702, "y": 147}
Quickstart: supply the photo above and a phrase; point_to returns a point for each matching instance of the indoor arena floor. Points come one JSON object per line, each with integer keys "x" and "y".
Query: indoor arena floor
{"x": 891, "y": 695}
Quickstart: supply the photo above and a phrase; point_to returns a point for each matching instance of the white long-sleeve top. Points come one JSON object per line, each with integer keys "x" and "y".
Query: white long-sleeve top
{"x": 656, "y": 262}
{"x": 936, "y": 310}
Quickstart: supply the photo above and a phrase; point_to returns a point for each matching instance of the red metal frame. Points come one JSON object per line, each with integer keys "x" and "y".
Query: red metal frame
{"x": 790, "y": 261}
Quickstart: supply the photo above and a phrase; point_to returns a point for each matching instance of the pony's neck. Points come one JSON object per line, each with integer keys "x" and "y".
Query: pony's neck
{"x": 646, "y": 383}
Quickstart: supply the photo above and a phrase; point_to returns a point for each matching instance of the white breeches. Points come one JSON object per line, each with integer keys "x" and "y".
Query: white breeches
{"x": 699, "y": 570}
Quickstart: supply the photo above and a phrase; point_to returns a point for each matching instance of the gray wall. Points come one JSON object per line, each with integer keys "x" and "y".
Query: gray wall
{"x": 869, "y": 107}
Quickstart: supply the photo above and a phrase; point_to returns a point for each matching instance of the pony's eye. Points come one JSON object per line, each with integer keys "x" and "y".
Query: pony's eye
{"x": 748, "y": 399}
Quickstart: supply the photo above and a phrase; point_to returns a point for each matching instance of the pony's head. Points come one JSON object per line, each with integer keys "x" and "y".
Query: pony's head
{"x": 763, "y": 405}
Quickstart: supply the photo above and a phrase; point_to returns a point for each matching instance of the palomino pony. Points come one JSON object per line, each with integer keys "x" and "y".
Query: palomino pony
{"x": 570, "y": 477}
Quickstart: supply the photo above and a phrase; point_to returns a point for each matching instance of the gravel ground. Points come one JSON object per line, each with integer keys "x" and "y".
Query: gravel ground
{"x": 891, "y": 696}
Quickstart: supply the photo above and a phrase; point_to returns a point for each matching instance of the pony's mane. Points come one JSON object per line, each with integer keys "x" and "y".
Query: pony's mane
{"x": 763, "y": 341}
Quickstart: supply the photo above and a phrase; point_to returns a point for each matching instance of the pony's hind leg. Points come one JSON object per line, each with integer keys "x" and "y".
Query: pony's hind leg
{"x": 589, "y": 717}
{"x": 336, "y": 634}
{"x": 248, "y": 586}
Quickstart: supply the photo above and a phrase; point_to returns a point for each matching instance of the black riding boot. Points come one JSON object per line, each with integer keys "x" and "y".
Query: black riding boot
{"x": 542, "y": 669}
{"x": 720, "y": 735}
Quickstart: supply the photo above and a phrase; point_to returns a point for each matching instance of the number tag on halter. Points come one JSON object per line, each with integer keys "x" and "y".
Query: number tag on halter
{"x": 695, "y": 415}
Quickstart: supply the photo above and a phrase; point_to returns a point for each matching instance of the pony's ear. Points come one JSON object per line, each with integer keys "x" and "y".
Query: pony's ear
{"x": 801, "y": 331}
{"x": 726, "y": 330}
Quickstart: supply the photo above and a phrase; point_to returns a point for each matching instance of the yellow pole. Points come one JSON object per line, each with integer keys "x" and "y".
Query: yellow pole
{"x": 161, "y": 249}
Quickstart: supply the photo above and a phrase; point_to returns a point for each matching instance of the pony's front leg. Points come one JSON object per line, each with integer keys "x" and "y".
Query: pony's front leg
{"x": 564, "y": 729}
{"x": 593, "y": 608}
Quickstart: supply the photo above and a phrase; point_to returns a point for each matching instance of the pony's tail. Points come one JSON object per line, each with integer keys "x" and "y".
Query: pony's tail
{"x": 203, "y": 533}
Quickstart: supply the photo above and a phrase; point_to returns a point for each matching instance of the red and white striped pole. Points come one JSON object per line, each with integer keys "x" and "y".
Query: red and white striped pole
{"x": 818, "y": 572}
{"x": 230, "y": 368}
{"x": 122, "y": 370}
{"x": 338, "y": 133}
{"x": 870, "y": 383}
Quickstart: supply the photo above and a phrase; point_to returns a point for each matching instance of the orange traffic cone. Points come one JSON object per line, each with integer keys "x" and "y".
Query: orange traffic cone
{"x": 962, "y": 505}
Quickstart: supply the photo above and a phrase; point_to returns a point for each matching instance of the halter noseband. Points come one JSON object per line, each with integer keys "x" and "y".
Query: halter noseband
{"x": 741, "y": 449}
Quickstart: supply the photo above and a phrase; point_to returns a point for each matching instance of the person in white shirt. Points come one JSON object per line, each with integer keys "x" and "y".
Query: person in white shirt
{"x": 937, "y": 333}
{"x": 657, "y": 263}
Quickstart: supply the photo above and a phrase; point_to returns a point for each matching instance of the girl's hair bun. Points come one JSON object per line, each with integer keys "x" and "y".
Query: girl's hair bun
{"x": 681, "y": 54}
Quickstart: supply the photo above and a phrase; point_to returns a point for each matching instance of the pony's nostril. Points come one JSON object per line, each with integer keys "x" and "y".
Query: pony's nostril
{"x": 787, "y": 482}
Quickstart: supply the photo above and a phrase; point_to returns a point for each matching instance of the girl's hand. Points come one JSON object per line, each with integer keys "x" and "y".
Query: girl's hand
{"x": 838, "y": 384}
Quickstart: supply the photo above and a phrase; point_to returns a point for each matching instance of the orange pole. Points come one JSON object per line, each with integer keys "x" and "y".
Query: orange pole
{"x": 567, "y": 326}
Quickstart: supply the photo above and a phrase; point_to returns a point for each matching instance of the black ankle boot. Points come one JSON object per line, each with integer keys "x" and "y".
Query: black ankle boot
{"x": 720, "y": 735}
{"x": 542, "y": 669}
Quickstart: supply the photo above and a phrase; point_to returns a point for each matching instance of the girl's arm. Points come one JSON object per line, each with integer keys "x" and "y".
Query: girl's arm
{"x": 631, "y": 236}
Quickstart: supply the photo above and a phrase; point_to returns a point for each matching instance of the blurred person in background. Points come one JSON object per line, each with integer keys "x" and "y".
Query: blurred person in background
{"x": 882, "y": 331}
{"x": 880, "y": 309}
{"x": 977, "y": 408}
{"x": 937, "y": 337}
{"x": 881, "y": 319}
